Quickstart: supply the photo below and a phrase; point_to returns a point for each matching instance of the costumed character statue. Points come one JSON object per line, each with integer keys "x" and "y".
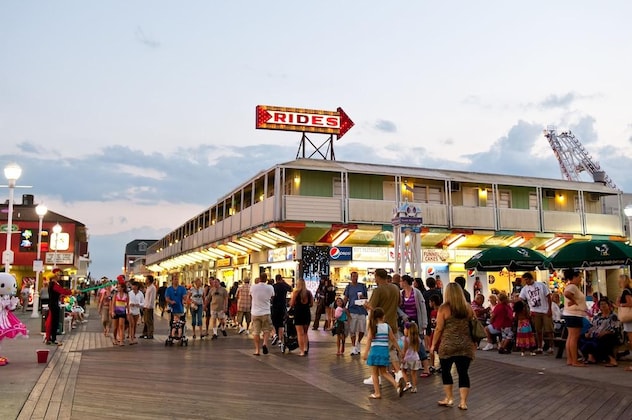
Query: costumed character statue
{"x": 55, "y": 292}
{"x": 10, "y": 325}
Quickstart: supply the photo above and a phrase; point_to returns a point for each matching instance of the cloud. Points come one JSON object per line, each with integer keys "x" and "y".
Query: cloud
{"x": 558, "y": 101}
{"x": 386, "y": 126}
{"x": 145, "y": 40}
{"x": 512, "y": 154}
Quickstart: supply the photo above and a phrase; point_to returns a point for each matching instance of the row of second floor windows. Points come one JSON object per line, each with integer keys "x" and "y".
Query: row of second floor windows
{"x": 385, "y": 188}
{"x": 461, "y": 195}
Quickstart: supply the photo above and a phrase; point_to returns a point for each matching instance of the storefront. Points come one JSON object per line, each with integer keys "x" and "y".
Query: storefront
{"x": 362, "y": 259}
{"x": 277, "y": 261}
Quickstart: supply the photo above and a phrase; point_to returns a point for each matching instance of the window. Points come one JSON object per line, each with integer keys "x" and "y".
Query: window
{"x": 504, "y": 199}
{"x": 533, "y": 201}
{"x": 427, "y": 194}
{"x": 337, "y": 187}
{"x": 142, "y": 246}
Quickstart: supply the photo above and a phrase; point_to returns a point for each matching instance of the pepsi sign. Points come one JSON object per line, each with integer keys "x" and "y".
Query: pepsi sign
{"x": 341, "y": 253}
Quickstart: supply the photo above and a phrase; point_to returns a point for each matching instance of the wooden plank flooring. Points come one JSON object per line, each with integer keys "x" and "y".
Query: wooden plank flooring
{"x": 221, "y": 379}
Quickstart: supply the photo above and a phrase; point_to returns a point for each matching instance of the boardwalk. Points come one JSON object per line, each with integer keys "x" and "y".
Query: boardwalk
{"x": 220, "y": 379}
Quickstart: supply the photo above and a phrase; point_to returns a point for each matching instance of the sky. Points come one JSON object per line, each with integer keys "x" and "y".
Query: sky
{"x": 132, "y": 117}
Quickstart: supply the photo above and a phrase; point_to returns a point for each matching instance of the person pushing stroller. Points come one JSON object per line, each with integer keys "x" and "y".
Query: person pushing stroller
{"x": 174, "y": 297}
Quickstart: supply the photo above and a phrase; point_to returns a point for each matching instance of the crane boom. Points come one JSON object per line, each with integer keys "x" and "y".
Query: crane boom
{"x": 573, "y": 157}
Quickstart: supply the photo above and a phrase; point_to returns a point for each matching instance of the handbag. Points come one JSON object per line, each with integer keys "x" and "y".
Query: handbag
{"x": 477, "y": 332}
{"x": 625, "y": 314}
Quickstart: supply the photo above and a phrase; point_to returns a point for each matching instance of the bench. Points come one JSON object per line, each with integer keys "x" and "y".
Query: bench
{"x": 559, "y": 341}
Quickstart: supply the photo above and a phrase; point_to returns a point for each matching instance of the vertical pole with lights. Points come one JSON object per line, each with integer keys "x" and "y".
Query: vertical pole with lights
{"x": 41, "y": 211}
{"x": 56, "y": 232}
{"x": 11, "y": 172}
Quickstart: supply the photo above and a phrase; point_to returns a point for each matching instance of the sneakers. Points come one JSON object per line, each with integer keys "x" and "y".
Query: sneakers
{"x": 408, "y": 386}
{"x": 275, "y": 340}
{"x": 224, "y": 333}
{"x": 242, "y": 330}
{"x": 369, "y": 381}
{"x": 355, "y": 351}
{"x": 282, "y": 347}
{"x": 265, "y": 349}
{"x": 399, "y": 377}
{"x": 488, "y": 347}
{"x": 214, "y": 337}
{"x": 413, "y": 389}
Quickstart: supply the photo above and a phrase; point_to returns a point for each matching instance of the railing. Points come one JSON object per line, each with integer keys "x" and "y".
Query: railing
{"x": 519, "y": 219}
{"x": 313, "y": 209}
{"x": 370, "y": 211}
{"x": 562, "y": 221}
{"x": 604, "y": 224}
{"x": 473, "y": 217}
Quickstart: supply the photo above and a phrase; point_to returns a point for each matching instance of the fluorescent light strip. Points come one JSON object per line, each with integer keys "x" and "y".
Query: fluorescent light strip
{"x": 249, "y": 245}
{"x": 457, "y": 241}
{"x": 340, "y": 238}
{"x": 282, "y": 234}
{"x": 219, "y": 253}
{"x": 266, "y": 236}
{"x": 554, "y": 244}
{"x": 267, "y": 241}
{"x": 262, "y": 243}
{"x": 249, "y": 242}
{"x": 238, "y": 247}
{"x": 517, "y": 241}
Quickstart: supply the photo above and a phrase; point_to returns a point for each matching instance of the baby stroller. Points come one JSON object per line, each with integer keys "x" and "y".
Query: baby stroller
{"x": 177, "y": 326}
{"x": 290, "y": 336}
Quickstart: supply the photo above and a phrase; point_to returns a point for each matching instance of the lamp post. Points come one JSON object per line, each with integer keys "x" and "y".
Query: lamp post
{"x": 56, "y": 231}
{"x": 628, "y": 212}
{"x": 41, "y": 211}
{"x": 11, "y": 172}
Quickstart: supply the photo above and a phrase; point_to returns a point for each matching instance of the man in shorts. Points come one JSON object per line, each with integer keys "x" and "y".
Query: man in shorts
{"x": 261, "y": 294}
{"x": 244, "y": 302}
{"x": 538, "y": 297}
{"x": 386, "y": 296}
{"x": 357, "y": 322}
{"x": 219, "y": 306}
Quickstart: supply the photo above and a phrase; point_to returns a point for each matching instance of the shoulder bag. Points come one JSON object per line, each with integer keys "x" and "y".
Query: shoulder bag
{"x": 477, "y": 332}
{"x": 625, "y": 314}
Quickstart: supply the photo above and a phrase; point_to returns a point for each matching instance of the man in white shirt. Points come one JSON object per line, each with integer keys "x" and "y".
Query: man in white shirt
{"x": 538, "y": 297}
{"x": 148, "y": 308}
{"x": 262, "y": 294}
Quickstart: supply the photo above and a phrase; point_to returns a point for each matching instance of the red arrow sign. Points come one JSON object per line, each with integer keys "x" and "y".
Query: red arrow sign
{"x": 304, "y": 120}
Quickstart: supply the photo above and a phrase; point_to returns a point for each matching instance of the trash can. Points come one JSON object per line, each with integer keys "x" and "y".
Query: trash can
{"x": 44, "y": 315}
{"x": 60, "y": 327}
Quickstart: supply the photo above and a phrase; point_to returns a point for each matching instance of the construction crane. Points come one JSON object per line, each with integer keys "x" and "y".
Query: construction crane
{"x": 573, "y": 158}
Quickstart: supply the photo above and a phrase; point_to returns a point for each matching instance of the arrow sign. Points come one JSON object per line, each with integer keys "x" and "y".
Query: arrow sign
{"x": 303, "y": 120}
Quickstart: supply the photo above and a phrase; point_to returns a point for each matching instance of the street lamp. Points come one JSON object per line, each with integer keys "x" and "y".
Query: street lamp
{"x": 11, "y": 172}
{"x": 628, "y": 212}
{"x": 57, "y": 232}
{"x": 41, "y": 211}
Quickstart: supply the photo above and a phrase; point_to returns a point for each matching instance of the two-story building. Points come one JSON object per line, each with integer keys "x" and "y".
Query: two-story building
{"x": 67, "y": 251}
{"x": 135, "y": 258}
{"x": 268, "y": 222}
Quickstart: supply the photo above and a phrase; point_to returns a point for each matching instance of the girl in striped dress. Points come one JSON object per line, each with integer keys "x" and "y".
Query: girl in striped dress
{"x": 380, "y": 336}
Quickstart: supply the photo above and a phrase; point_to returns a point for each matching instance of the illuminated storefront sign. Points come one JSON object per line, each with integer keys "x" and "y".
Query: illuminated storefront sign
{"x": 341, "y": 253}
{"x": 370, "y": 253}
{"x": 223, "y": 262}
{"x": 434, "y": 255}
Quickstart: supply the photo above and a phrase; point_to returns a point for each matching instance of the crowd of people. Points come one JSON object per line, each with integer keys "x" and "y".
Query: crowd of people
{"x": 400, "y": 328}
